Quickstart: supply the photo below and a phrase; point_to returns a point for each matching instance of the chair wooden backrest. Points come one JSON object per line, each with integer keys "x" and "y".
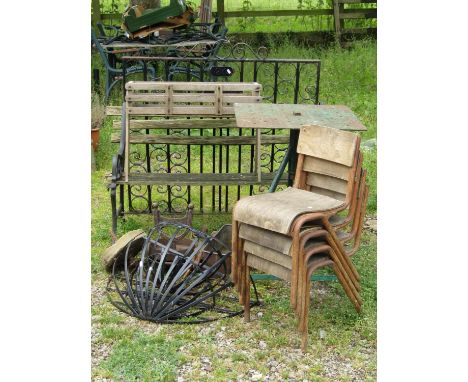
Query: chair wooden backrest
{"x": 327, "y": 161}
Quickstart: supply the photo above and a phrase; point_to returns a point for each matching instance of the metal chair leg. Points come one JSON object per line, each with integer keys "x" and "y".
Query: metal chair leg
{"x": 247, "y": 295}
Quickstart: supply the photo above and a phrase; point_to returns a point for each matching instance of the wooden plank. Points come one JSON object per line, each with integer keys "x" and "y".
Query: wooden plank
{"x": 327, "y": 182}
{"x": 359, "y": 14}
{"x": 205, "y": 11}
{"x": 193, "y": 86}
{"x": 240, "y": 98}
{"x": 206, "y": 123}
{"x": 192, "y": 97}
{"x": 357, "y": 1}
{"x": 220, "y": 10}
{"x": 96, "y": 11}
{"x": 228, "y": 110}
{"x": 113, "y": 110}
{"x": 327, "y": 143}
{"x": 308, "y": 39}
{"x": 178, "y": 110}
{"x": 361, "y": 31}
{"x": 200, "y": 140}
{"x": 292, "y": 116}
{"x": 194, "y": 110}
{"x": 336, "y": 17}
{"x": 174, "y": 179}
{"x": 321, "y": 166}
{"x": 146, "y": 97}
{"x": 279, "y": 12}
{"x": 147, "y": 110}
{"x": 162, "y": 97}
{"x": 197, "y": 97}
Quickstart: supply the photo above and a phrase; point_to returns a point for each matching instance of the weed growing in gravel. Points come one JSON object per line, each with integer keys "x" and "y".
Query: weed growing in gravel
{"x": 142, "y": 357}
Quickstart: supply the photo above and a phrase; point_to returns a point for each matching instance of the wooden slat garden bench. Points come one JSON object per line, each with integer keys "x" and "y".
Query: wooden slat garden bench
{"x": 154, "y": 112}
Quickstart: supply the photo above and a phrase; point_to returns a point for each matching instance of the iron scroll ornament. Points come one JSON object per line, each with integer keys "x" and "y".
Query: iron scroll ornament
{"x": 283, "y": 81}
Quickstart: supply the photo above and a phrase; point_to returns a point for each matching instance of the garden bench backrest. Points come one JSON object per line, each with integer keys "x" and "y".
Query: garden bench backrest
{"x": 201, "y": 99}
{"x": 184, "y": 99}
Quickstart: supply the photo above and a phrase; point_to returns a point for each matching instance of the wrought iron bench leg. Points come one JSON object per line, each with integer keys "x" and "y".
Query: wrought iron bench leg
{"x": 114, "y": 208}
{"x": 121, "y": 200}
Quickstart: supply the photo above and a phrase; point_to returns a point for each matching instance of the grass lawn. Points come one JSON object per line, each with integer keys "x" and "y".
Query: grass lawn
{"x": 342, "y": 345}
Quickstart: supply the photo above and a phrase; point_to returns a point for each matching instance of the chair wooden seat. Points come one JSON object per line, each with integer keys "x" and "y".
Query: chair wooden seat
{"x": 262, "y": 210}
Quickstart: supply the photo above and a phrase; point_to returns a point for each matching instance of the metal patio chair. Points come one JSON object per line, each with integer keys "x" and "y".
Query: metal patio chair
{"x": 102, "y": 28}
{"x": 114, "y": 75}
{"x": 273, "y": 232}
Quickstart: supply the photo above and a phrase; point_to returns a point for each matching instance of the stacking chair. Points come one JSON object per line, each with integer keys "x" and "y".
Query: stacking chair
{"x": 328, "y": 170}
{"x": 294, "y": 232}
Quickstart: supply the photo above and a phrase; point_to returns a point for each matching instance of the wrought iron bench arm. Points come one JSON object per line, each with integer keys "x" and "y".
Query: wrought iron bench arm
{"x": 118, "y": 159}
{"x": 117, "y": 171}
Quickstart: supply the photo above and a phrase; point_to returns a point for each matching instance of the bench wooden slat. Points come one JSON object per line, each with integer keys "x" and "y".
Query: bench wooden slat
{"x": 201, "y": 140}
{"x": 177, "y": 110}
{"x": 207, "y": 123}
{"x": 146, "y": 110}
{"x": 162, "y": 97}
{"x": 177, "y": 86}
{"x": 241, "y": 99}
{"x": 175, "y": 179}
{"x": 191, "y": 110}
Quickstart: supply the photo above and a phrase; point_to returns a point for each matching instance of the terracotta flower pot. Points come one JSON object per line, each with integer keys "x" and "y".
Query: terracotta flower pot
{"x": 95, "y": 138}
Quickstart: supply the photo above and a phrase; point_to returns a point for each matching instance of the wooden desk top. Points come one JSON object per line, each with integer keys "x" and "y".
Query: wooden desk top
{"x": 293, "y": 116}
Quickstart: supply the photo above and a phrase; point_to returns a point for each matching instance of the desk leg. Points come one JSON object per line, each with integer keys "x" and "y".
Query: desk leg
{"x": 258, "y": 156}
{"x": 290, "y": 157}
{"x": 293, "y": 140}
{"x": 279, "y": 173}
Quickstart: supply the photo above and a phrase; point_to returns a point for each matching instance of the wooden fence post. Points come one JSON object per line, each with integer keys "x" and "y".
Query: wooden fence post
{"x": 96, "y": 11}
{"x": 337, "y": 9}
{"x": 220, "y": 10}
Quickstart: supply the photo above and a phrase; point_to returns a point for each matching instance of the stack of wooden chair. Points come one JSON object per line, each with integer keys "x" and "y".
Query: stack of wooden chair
{"x": 316, "y": 223}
